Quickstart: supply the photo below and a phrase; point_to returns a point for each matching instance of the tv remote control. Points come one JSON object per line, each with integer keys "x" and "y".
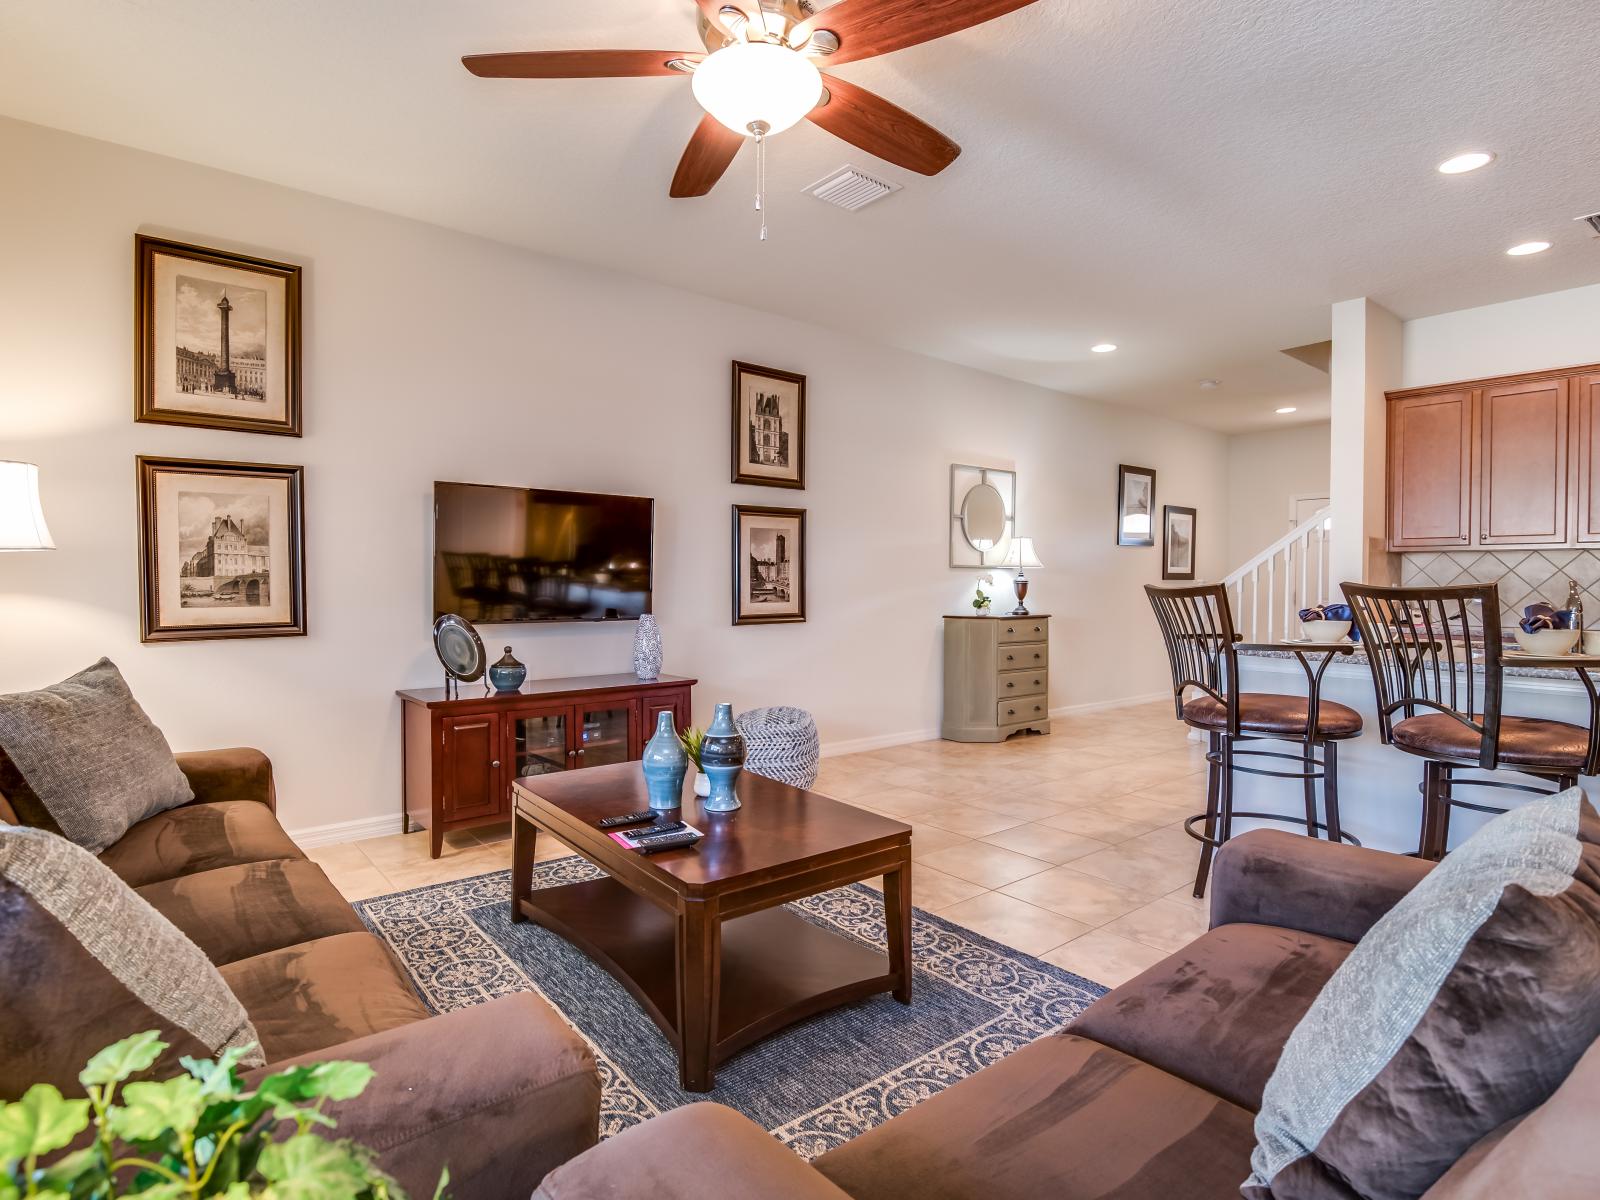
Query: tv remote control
{"x": 633, "y": 818}
{"x": 672, "y": 841}
{"x": 665, "y": 829}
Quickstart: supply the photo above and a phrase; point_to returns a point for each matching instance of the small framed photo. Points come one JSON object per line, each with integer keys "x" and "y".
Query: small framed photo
{"x": 221, "y": 550}
{"x": 1177, "y": 542}
{"x": 216, "y": 339}
{"x": 1136, "y": 506}
{"x": 769, "y": 427}
{"x": 769, "y": 565}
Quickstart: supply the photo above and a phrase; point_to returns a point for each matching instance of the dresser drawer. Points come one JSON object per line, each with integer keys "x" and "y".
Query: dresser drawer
{"x": 1017, "y": 656}
{"x": 1015, "y": 712}
{"x": 1016, "y": 684}
{"x": 1023, "y": 629}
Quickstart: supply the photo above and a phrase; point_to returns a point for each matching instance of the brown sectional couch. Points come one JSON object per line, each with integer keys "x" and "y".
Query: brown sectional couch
{"x": 1149, "y": 1095}
{"x": 502, "y": 1092}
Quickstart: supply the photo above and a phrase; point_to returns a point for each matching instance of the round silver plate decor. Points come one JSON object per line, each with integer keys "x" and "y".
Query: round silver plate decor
{"x": 459, "y": 648}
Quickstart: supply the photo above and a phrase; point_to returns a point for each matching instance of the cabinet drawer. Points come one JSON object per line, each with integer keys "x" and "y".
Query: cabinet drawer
{"x": 1016, "y": 656}
{"x": 1016, "y": 684}
{"x": 1015, "y": 712}
{"x": 1023, "y": 629}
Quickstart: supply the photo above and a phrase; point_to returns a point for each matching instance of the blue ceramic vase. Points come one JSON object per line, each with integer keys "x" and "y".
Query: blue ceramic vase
{"x": 722, "y": 758}
{"x": 665, "y": 762}
{"x": 507, "y": 674}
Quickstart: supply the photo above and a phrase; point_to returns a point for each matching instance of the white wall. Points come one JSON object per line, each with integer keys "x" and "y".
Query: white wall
{"x": 1264, "y": 470}
{"x": 1557, "y": 329}
{"x": 433, "y": 355}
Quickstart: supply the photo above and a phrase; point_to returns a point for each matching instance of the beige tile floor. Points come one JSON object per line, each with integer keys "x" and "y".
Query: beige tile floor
{"x": 1066, "y": 846}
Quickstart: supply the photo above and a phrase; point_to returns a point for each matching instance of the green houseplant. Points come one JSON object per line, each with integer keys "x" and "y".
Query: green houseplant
{"x": 693, "y": 738}
{"x": 202, "y": 1133}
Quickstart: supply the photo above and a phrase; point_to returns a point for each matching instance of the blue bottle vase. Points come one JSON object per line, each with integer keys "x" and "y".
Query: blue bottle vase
{"x": 665, "y": 763}
{"x": 722, "y": 758}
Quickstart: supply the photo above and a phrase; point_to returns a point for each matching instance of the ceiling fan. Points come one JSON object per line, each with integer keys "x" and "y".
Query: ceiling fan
{"x": 758, "y": 76}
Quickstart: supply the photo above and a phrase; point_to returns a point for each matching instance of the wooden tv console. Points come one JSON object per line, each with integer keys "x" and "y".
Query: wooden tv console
{"x": 462, "y": 751}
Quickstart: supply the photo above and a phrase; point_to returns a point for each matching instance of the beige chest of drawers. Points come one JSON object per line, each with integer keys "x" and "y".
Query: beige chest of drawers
{"x": 996, "y": 677}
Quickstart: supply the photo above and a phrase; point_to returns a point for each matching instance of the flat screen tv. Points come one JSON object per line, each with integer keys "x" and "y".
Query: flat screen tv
{"x": 526, "y": 554}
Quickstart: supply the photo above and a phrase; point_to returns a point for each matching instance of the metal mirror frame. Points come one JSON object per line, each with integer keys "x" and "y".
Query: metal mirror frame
{"x": 963, "y": 478}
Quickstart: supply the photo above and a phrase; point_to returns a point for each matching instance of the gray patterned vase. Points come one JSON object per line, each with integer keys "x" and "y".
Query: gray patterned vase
{"x": 665, "y": 762}
{"x": 722, "y": 758}
{"x": 647, "y": 648}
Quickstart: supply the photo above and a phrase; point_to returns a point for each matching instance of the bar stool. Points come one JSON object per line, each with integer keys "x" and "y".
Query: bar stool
{"x": 1422, "y": 644}
{"x": 1197, "y": 627}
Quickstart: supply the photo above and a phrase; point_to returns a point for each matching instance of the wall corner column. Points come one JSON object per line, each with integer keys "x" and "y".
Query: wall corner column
{"x": 1367, "y": 350}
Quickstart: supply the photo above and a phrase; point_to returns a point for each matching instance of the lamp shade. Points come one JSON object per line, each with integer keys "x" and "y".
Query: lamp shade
{"x": 1021, "y": 554}
{"x": 22, "y": 524}
{"x": 748, "y": 82}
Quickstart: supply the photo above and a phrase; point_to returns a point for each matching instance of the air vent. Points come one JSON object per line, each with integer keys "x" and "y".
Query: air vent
{"x": 1593, "y": 220}
{"x": 851, "y": 189}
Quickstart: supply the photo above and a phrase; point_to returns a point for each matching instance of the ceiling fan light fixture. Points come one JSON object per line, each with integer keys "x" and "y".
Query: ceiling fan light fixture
{"x": 746, "y": 84}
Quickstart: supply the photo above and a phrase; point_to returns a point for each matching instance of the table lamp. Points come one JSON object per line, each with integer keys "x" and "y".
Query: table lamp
{"x": 1019, "y": 555}
{"x": 22, "y": 524}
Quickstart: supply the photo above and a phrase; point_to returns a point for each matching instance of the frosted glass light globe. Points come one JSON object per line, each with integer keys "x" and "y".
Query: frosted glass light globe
{"x": 757, "y": 81}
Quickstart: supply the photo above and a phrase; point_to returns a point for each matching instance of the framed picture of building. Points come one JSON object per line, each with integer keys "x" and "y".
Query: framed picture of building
{"x": 769, "y": 426}
{"x": 769, "y": 565}
{"x": 216, "y": 339}
{"x": 221, "y": 550}
{"x": 1177, "y": 542}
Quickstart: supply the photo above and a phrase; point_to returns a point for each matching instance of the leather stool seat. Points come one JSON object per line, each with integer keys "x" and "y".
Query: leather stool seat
{"x": 1524, "y": 741}
{"x": 1269, "y": 713}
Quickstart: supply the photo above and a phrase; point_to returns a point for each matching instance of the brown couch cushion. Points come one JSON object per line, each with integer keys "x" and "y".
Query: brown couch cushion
{"x": 1524, "y": 741}
{"x": 1466, "y": 1005}
{"x": 199, "y": 837}
{"x": 1217, "y": 1012}
{"x": 1065, "y": 1118}
{"x": 1264, "y": 712}
{"x": 306, "y": 998}
{"x": 87, "y": 961}
{"x": 236, "y": 912}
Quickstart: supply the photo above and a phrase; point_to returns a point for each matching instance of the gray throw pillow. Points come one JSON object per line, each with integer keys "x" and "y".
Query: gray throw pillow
{"x": 1464, "y": 1007}
{"x": 90, "y": 757}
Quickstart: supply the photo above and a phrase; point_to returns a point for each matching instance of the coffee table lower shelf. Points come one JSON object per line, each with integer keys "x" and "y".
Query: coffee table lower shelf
{"x": 758, "y": 972}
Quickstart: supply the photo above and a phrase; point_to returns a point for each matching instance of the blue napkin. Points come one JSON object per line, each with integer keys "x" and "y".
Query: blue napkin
{"x": 1332, "y": 612}
{"x": 1541, "y": 616}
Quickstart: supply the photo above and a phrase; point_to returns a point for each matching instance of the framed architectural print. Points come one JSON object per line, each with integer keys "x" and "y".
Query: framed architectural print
{"x": 769, "y": 565}
{"x": 769, "y": 427}
{"x": 221, "y": 550}
{"x": 1136, "y": 506}
{"x": 216, "y": 339}
{"x": 1177, "y": 542}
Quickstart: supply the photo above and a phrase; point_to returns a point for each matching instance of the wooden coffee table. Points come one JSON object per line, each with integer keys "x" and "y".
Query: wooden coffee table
{"x": 699, "y": 936}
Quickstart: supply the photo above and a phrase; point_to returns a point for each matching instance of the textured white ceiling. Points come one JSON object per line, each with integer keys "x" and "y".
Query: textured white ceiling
{"x": 1196, "y": 181}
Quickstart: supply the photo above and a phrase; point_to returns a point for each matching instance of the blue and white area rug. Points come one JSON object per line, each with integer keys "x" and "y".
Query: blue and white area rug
{"x": 816, "y": 1084}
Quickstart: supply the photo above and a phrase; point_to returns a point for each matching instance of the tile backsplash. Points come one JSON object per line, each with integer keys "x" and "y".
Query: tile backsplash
{"x": 1524, "y": 576}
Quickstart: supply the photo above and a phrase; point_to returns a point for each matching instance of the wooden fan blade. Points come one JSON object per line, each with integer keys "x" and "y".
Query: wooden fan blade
{"x": 705, "y": 158}
{"x": 869, "y": 27}
{"x": 578, "y": 64}
{"x": 867, "y": 120}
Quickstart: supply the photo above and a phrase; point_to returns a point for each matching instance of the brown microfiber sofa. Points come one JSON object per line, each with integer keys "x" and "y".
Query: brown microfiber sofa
{"x": 502, "y": 1092}
{"x": 1151, "y": 1094}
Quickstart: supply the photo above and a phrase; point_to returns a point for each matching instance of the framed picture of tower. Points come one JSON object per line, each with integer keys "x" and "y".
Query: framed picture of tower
{"x": 769, "y": 426}
{"x": 221, "y": 550}
{"x": 216, "y": 339}
{"x": 769, "y": 565}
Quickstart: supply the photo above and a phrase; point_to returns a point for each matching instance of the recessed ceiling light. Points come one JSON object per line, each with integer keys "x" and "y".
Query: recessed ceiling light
{"x": 1209, "y": 384}
{"x": 1522, "y": 248}
{"x": 1462, "y": 163}
{"x": 1288, "y": 408}
{"x": 1104, "y": 347}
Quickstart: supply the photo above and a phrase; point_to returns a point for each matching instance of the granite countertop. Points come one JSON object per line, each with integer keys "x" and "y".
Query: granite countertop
{"x": 1358, "y": 657}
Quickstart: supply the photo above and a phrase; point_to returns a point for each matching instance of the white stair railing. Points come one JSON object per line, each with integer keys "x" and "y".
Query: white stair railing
{"x": 1268, "y": 592}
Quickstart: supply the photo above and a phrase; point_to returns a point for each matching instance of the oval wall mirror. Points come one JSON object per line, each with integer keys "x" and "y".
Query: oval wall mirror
{"x": 983, "y": 516}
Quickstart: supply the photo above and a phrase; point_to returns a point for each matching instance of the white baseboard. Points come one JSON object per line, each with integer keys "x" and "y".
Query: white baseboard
{"x": 346, "y": 831}
{"x": 880, "y": 742}
{"x": 1068, "y": 710}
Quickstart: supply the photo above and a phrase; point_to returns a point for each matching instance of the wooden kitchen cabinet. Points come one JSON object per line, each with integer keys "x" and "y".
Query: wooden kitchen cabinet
{"x": 1522, "y": 449}
{"x": 1430, "y": 471}
{"x": 1586, "y": 450}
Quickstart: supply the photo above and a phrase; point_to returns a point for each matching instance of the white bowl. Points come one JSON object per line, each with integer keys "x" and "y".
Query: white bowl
{"x": 1547, "y": 642}
{"x": 1325, "y": 631}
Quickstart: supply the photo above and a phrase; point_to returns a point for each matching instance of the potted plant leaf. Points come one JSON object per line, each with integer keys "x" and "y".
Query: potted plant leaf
{"x": 693, "y": 738}
{"x": 202, "y": 1133}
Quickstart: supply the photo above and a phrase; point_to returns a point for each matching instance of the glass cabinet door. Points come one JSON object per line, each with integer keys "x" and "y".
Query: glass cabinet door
{"x": 539, "y": 743}
{"x": 606, "y": 734}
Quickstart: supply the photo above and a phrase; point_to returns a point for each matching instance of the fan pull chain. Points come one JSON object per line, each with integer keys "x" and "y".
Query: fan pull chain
{"x": 760, "y": 130}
